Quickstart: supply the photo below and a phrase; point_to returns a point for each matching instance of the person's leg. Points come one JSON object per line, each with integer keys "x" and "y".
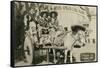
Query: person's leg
{"x": 71, "y": 59}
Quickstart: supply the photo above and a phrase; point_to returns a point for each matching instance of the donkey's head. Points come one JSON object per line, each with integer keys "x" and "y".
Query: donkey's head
{"x": 78, "y": 33}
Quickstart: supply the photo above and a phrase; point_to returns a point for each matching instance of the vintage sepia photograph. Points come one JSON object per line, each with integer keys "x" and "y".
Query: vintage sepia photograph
{"x": 52, "y": 33}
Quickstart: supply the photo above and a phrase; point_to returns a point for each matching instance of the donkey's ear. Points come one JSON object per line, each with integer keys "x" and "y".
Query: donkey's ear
{"x": 65, "y": 28}
{"x": 74, "y": 29}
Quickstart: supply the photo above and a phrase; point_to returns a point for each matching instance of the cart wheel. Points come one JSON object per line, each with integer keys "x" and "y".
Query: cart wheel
{"x": 28, "y": 50}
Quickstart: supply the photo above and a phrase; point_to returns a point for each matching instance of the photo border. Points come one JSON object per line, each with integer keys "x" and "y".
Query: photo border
{"x": 13, "y": 35}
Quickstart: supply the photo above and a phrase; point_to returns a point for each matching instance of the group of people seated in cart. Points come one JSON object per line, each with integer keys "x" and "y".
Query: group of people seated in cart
{"x": 44, "y": 27}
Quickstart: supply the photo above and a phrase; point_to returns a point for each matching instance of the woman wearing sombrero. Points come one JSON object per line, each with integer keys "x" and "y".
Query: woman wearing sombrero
{"x": 43, "y": 19}
{"x": 54, "y": 21}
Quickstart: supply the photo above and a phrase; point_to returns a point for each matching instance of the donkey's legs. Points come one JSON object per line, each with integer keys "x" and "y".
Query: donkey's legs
{"x": 71, "y": 59}
{"x": 65, "y": 58}
{"x": 54, "y": 54}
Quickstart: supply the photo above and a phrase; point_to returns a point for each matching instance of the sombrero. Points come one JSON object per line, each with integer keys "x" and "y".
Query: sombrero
{"x": 53, "y": 12}
{"x": 44, "y": 12}
{"x": 76, "y": 28}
